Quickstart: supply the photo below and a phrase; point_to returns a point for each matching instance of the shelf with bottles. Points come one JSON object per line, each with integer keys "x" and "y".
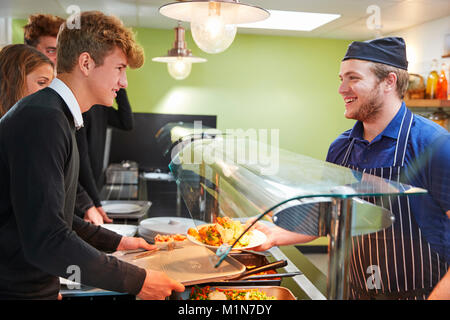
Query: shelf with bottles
{"x": 433, "y": 109}
{"x": 427, "y": 103}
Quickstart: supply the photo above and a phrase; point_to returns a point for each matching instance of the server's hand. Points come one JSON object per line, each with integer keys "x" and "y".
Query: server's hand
{"x": 277, "y": 236}
{"x": 158, "y": 286}
{"x": 270, "y": 242}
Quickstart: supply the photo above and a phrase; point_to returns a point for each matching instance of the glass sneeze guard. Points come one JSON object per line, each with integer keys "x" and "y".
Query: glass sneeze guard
{"x": 249, "y": 187}
{"x": 172, "y": 134}
{"x": 238, "y": 177}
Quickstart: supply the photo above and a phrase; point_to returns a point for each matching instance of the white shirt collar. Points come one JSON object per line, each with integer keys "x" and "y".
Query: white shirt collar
{"x": 67, "y": 95}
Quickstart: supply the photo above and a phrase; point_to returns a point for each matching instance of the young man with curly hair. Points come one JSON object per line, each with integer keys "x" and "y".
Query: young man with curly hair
{"x": 41, "y": 32}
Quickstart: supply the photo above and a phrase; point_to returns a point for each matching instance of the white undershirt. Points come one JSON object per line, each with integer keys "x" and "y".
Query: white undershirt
{"x": 69, "y": 98}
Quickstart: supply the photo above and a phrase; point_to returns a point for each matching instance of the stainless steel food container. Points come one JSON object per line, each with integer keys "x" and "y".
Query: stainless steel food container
{"x": 249, "y": 259}
{"x": 126, "y": 172}
{"x": 280, "y": 293}
{"x": 189, "y": 264}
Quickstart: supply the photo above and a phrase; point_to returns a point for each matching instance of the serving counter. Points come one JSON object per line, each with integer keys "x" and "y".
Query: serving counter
{"x": 240, "y": 178}
{"x": 310, "y": 284}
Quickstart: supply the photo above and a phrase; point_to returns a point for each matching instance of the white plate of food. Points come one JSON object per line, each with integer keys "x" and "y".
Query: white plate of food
{"x": 225, "y": 231}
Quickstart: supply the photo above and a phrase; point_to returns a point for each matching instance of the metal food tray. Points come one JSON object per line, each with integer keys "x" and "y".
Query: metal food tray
{"x": 249, "y": 259}
{"x": 190, "y": 264}
{"x": 280, "y": 293}
{"x": 145, "y": 205}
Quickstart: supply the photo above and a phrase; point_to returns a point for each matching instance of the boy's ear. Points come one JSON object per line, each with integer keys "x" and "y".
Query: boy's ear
{"x": 86, "y": 63}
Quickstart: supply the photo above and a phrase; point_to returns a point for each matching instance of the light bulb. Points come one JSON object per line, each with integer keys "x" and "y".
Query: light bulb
{"x": 179, "y": 69}
{"x": 210, "y": 29}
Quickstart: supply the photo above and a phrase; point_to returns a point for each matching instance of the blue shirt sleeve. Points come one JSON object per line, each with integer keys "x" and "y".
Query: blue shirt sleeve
{"x": 440, "y": 171}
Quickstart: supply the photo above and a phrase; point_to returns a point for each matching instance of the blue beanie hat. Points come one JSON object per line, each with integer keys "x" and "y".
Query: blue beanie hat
{"x": 390, "y": 51}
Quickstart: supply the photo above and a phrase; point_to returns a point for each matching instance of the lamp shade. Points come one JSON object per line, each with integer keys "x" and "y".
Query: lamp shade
{"x": 213, "y": 23}
{"x": 179, "y": 59}
{"x": 232, "y": 11}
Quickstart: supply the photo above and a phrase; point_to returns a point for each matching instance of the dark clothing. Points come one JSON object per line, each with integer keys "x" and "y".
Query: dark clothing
{"x": 83, "y": 201}
{"x": 39, "y": 235}
{"x": 91, "y": 141}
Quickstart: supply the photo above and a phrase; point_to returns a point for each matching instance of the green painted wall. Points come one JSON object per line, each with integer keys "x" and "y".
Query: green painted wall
{"x": 266, "y": 82}
{"x": 17, "y": 30}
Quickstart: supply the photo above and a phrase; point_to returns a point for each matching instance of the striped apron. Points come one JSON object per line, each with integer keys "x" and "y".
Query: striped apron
{"x": 397, "y": 262}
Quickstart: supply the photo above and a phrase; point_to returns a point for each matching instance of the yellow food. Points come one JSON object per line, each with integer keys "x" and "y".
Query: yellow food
{"x": 230, "y": 294}
{"x": 224, "y": 231}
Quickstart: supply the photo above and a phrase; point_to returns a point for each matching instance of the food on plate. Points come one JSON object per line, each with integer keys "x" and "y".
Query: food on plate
{"x": 206, "y": 293}
{"x": 225, "y": 230}
{"x": 170, "y": 238}
{"x": 169, "y": 241}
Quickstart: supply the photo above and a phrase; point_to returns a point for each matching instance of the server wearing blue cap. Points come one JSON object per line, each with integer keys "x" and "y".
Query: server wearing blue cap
{"x": 411, "y": 258}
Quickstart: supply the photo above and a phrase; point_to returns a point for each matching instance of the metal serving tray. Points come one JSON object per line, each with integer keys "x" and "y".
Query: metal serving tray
{"x": 133, "y": 214}
{"x": 249, "y": 259}
{"x": 122, "y": 173}
{"x": 280, "y": 293}
{"x": 191, "y": 264}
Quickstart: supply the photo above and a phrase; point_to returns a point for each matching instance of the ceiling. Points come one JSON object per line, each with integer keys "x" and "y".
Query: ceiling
{"x": 395, "y": 14}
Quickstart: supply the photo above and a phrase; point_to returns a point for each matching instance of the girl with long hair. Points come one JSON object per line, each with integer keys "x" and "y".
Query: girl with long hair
{"x": 23, "y": 71}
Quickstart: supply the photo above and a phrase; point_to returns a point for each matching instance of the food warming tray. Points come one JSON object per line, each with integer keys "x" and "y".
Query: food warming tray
{"x": 249, "y": 260}
{"x": 190, "y": 264}
{"x": 280, "y": 293}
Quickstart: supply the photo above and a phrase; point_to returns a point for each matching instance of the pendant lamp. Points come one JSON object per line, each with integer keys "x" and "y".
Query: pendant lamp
{"x": 213, "y": 23}
{"x": 179, "y": 59}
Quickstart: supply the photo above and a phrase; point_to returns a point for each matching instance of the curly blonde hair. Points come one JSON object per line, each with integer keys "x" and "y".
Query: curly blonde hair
{"x": 98, "y": 34}
{"x": 40, "y": 25}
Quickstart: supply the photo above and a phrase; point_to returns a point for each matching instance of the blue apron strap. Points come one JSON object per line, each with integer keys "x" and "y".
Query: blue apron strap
{"x": 347, "y": 153}
{"x": 402, "y": 140}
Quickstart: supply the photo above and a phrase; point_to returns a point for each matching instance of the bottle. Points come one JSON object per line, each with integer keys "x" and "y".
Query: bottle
{"x": 432, "y": 80}
{"x": 441, "y": 87}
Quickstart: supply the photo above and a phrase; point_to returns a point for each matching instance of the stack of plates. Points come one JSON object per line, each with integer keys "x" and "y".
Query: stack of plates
{"x": 124, "y": 230}
{"x": 122, "y": 209}
{"x": 149, "y": 228}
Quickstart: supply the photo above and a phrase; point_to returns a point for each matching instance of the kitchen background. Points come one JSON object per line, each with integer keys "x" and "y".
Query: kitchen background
{"x": 279, "y": 80}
